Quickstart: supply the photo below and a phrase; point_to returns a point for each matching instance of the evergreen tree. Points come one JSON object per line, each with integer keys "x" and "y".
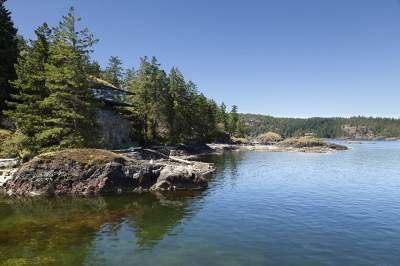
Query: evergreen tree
{"x": 242, "y": 130}
{"x": 94, "y": 69}
{"x": 8, "y": 54}
{"x": 233, "y": 121}
{"x": 70, "y": 122}
{"x": 67, "y": 32}
{"x": 149, "y": 87}
{"x": 28, "y": 113}
{"x": 223, "y": 117}
{"x": 129, "y": 78}
{"x": 114, "y": 72}
{"x": 178, "y": 103}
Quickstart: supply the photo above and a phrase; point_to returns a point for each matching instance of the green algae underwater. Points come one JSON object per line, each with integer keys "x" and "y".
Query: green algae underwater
{"x": 261, "y": 208}
{"x": 60, "y": 231}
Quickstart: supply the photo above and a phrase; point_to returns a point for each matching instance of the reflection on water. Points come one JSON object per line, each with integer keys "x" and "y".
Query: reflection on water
{"x": 260, "y": 209}
{"x": 46, "y": 231}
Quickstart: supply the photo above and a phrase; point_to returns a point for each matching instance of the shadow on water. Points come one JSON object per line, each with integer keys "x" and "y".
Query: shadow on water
{"x": 62, "y": 230}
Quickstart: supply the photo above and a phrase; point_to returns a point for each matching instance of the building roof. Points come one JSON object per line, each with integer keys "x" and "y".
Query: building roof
{"x": 108, "y": 85}
{"x": 102, "y": 82}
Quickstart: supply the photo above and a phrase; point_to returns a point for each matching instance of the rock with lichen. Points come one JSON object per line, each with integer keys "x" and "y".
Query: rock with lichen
{"x": 93, "y": 171}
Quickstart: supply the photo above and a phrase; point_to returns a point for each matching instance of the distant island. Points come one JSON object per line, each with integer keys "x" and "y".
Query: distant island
{"x": 355, "y": 128}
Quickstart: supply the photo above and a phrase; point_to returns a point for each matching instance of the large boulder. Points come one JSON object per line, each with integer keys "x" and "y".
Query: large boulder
{"x": 92, "y": 171}
{"x": 178, "y": 178}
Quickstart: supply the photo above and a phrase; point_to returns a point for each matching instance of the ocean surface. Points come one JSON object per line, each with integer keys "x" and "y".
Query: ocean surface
{"x": 261, "y": 208}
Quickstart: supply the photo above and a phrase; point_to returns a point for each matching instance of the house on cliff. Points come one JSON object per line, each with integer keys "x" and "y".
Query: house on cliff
{"x": 116, "y": 131}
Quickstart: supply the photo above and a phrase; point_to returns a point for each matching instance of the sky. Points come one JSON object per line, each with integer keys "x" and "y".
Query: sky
{"x": 286, "y": 58}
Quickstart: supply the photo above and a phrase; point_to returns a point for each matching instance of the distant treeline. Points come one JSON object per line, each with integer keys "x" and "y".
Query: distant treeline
{"x": 353, "y": 127}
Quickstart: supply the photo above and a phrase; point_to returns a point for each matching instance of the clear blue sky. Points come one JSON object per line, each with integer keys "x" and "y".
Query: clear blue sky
{"x": 296, "y": 58}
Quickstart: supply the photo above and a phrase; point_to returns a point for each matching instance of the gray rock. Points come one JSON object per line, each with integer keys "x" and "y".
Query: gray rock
{"x": 91, "y": 171}
{"x": 173, "y": 178}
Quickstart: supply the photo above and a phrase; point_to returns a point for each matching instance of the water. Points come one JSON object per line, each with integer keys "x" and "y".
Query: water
{"x": 260, "y": 209}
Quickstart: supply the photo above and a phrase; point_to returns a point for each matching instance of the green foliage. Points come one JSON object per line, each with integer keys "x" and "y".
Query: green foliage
{"x": 114, "y": 72}
{"x": 15, "y": 146}
{"x": 171, "y": 109}
{"x": 68, "y": 33}
{"x": 8, "y": 54}
{"x": 27, "y": 110}
{"x": 354, "y": 127}
{"x": 53, "y": 106}
{"x": 233, "y": 121}
{"x": 70, "y": 101}
{"x": 179, "y": 102}
{"x": 148, "y": 85}
{"x": 94, "y": 69}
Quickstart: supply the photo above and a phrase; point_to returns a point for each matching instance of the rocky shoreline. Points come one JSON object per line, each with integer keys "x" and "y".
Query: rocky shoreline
{"x": 302, "y": 144}
{"x": 99, "y": 172}
{"x": 159, "y": 168}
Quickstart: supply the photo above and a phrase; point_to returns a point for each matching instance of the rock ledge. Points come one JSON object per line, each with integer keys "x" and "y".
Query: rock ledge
{"x": 92, "y": 171}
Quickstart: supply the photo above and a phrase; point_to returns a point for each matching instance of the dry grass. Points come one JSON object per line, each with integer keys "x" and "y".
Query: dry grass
{"x": 269, "y": 137}
{"x": 240, "y": 140}
{"x": 82, "y": 156}
{"x": 5, "y": 135}
{"x": 303, "y": 142}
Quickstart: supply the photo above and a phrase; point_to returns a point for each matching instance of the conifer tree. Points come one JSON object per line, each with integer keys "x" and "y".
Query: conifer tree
{"x": 114, "y": 72}
{"x": 223, "y": 117}
{"x": 233, "y": 120}
{"x": 8, "y": 54}
{"x": 27, "y": 111}
{"x": 71, "y": 103}
{"x": 177, "y": 105}
{"x": 129, "y": 78}
{"x": 94, "y": 69}
{"x": 149, "y": 88}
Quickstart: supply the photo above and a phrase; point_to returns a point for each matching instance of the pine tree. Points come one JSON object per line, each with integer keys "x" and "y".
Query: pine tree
{"x": 80, "y": 40}
{"x": 114, "y": 72}
{"x": 233, "y": 121}
{"x": 27, "y": 111}
{"x": 94, "y": 69}
{"x": 70, "y": 122}
{"x": 149, "y": 88}
{"x": 223, "y": 117}
{"x": 129, "y": 78}
{"x": 8, "y": 54}
{"x": 177, "y": 104}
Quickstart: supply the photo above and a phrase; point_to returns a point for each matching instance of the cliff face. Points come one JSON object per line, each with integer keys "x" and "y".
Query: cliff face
{"x": 115, "y": 131}
{"x": 363, "y": 132}
{"x": 357, "y": 132}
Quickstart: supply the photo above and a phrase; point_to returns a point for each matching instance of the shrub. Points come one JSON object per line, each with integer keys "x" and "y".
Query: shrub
{"x": 268, "y": 138}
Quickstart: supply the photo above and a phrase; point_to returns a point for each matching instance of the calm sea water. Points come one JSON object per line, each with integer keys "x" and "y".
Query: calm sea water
{"x": 260, "y": 209}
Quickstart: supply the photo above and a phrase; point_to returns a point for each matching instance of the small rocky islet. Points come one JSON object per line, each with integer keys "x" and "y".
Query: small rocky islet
{"x": 95, "y": 172}
{"x": 162, "y": 168}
